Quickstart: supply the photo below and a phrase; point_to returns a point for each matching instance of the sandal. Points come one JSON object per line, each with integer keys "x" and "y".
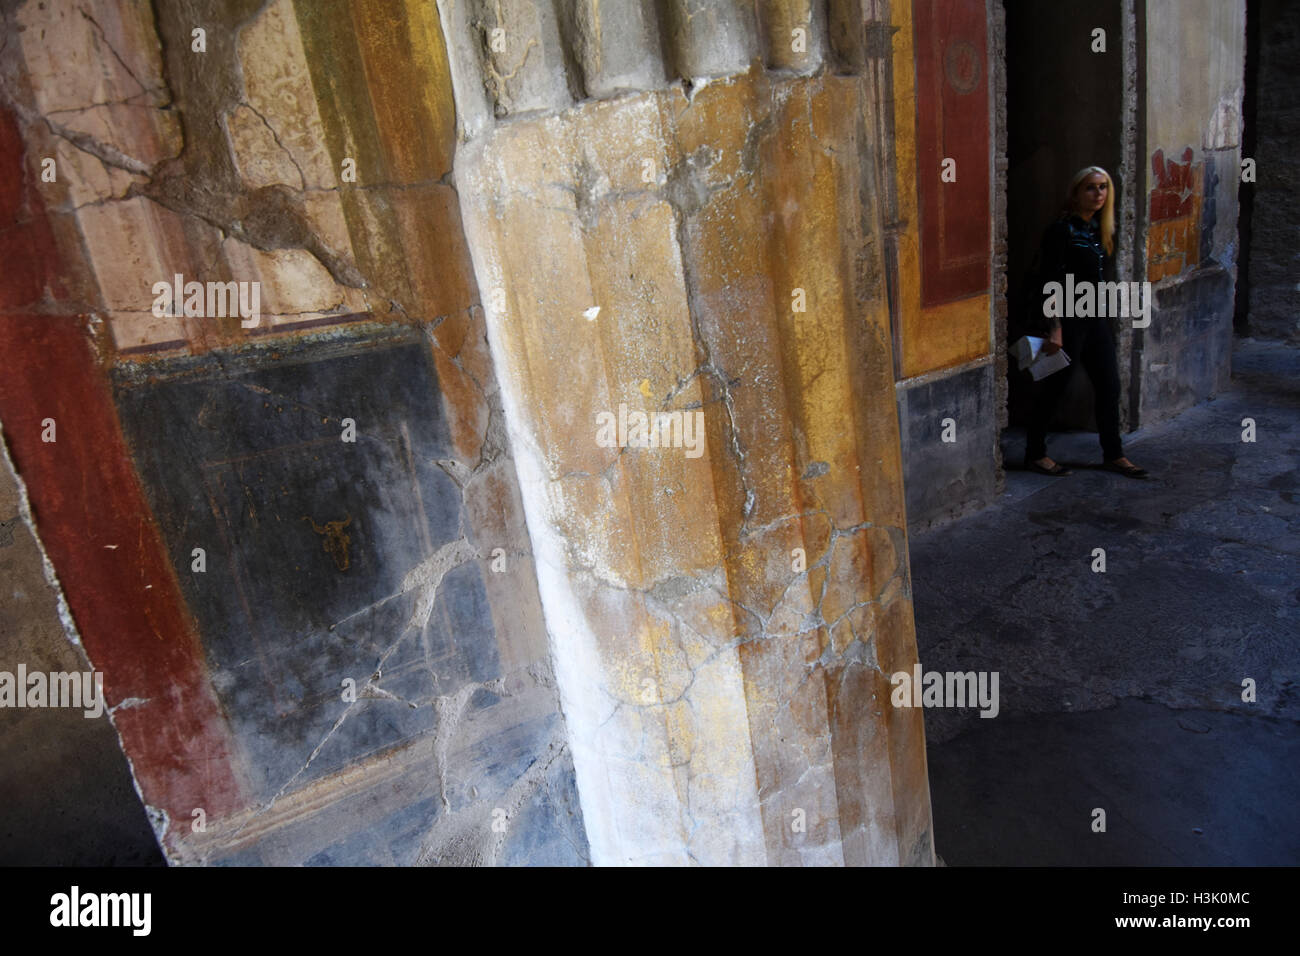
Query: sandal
{"x": 1128, "y": 471}
{"x": 1056, "y": 471}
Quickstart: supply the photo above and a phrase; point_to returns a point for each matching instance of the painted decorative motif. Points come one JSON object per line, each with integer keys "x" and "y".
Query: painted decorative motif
{"x": 1177, "y": 198}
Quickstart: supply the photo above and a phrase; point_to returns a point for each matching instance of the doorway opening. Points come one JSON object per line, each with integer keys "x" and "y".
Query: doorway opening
{"x": 1071, "y": 102}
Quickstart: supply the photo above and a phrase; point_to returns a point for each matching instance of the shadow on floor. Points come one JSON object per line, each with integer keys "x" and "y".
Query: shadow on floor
{"x": 1122, "y": 689}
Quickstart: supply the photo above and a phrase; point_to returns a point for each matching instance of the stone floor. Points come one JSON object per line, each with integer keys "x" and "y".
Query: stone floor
{"x": 1123, "y": 690}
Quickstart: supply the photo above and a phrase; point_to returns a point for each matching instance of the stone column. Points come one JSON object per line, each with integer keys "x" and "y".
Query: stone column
{"x": 724, "y": 616}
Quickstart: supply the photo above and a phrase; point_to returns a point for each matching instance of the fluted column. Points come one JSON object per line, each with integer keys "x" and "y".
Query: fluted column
{"x": 724, "y": 617}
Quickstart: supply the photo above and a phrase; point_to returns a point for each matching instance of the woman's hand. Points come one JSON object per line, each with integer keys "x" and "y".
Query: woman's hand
{"x": 1053, "y": 344}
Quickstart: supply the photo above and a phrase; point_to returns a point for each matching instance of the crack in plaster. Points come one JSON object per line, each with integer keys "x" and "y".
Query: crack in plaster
{"x": 302, "y": 177}
{"x": 466, "y": 837}
{"x": 117, "y": 56}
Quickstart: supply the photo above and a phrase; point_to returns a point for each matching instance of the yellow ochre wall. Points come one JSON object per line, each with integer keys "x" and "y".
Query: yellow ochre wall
{"x": 945, "y": 335}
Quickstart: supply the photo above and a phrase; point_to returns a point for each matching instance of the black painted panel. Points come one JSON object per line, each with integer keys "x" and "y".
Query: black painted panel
{"x": 243, "y": 456}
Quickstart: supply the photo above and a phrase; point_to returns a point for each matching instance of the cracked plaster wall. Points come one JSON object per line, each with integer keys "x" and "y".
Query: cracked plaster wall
{"x": 677, "y": 164}
{"x": 228, "y": 164}
{"x": 641, "y": 246}
{"x": 1195, "y": 62}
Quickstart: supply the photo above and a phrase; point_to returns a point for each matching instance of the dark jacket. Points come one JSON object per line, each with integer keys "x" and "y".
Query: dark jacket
{"x": 1070, "y": 245}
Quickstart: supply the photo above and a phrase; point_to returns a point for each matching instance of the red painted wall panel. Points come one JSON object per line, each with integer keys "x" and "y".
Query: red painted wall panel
{"x": 952, "y": 121}
{"x": 96, "y": 526}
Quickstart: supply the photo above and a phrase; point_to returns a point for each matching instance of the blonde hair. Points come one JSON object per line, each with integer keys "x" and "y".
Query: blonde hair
{"x": 1107, "y": 214}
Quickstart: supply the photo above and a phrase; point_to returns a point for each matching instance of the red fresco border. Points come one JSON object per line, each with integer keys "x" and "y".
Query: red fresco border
{"x": 955, "y": 217}
{"x": 96, "y": 526}
{"x": 100, "y": 535}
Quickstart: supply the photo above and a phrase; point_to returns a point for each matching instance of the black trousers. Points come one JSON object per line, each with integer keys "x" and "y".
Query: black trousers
{"x": 1090, "y": 343}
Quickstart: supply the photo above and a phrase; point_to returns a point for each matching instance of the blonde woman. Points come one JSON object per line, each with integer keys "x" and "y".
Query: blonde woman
{"x": 1081, "y": 243}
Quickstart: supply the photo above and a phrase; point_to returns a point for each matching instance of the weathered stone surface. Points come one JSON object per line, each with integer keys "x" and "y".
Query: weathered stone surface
{"x": 945, "y": 480}
{"x": 793, "y": 33}
{"x": 710, "y": 39}
{"x": 1193, "y": 140}
{"x": 616, "y": 44}
{"x": 1187, "y": 351}
{"x": 684, "y": 228}
{"x": 523, "y": 57}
